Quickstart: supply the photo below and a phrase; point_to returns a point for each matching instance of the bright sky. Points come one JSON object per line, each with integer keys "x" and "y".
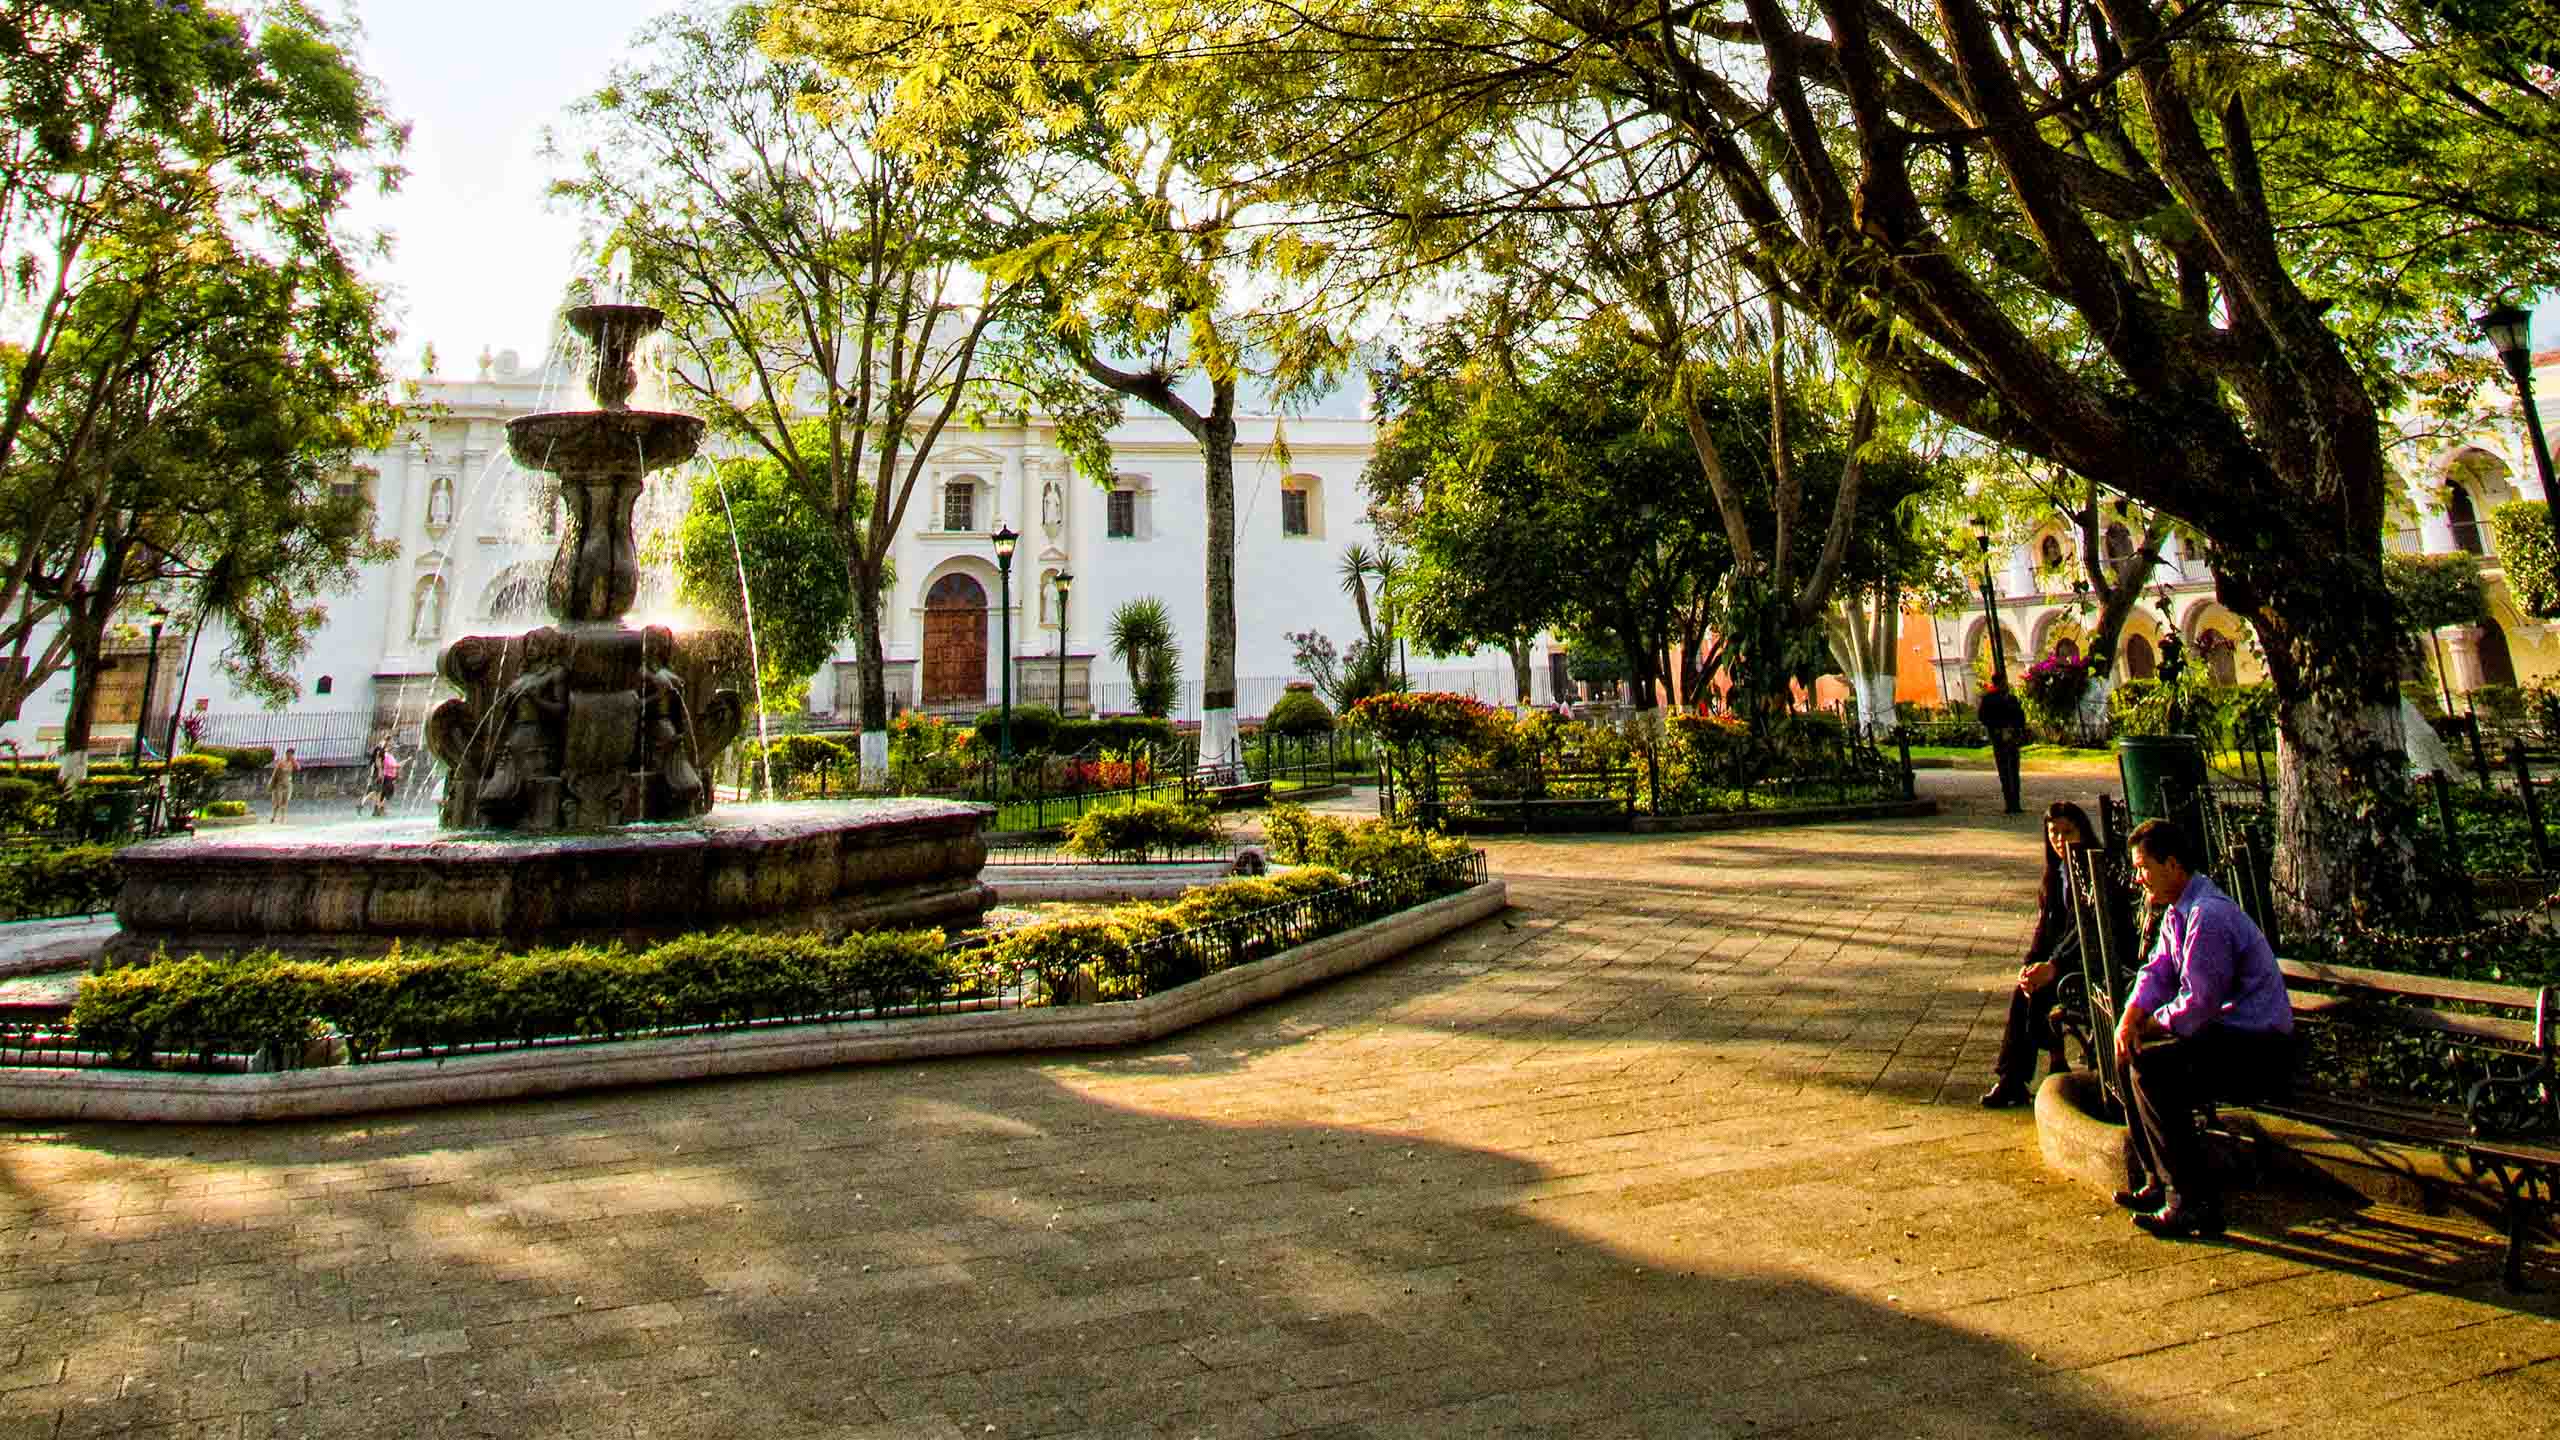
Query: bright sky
{"x": 479, "y": 256}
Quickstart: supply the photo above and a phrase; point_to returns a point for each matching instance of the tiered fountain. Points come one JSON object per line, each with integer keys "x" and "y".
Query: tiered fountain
{"x": 578, "y": 762}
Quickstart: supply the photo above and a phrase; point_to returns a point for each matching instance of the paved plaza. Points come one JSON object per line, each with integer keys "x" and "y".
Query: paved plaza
{"x": 1684, "y": 1145}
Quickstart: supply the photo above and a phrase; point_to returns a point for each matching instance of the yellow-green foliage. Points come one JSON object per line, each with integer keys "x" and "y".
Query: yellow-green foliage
{"x": 77, "y": 880}
{"x": 1365, "y": 848}
{"x": 468, "y": 994}
{"x": 1146, "y": 825}
{"x": 1107, "y": 948}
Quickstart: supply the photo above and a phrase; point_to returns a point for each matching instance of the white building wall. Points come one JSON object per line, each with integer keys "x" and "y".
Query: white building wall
{"x": 459, "y": 508}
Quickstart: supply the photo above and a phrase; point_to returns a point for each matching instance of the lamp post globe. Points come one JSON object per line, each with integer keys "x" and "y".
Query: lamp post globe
{"x": 1066, "y": 579}
{"x": 1005, "y": 539}
{"x": 2510, "y": 331}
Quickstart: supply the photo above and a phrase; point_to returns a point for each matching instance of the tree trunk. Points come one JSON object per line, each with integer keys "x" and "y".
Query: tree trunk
{"x": 1520, "y": 674}
{"x": 88, "y": 658}
{"x": 2346, "y": 813}
{"x": 871, "y": 671}
{"x": 1218, "y": 645}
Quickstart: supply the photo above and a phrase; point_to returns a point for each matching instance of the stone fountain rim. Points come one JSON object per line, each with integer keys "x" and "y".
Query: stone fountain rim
{"x": 723, "y": 829}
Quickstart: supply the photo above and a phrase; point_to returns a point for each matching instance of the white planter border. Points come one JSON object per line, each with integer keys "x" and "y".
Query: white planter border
{"x": 144, "y": 1096}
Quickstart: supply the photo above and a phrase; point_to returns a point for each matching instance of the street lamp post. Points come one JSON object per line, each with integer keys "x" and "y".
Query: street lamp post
{"x": 2510, "y": 330}
{"x": 1065, "y": 579}
{"x": 1005, "y": 539}
{"x": 150, "y": 672}
{"x": 1990, "y": 602}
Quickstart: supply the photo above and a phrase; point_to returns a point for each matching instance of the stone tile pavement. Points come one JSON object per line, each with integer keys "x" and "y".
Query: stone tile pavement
{"x": 1682, "y": 1146}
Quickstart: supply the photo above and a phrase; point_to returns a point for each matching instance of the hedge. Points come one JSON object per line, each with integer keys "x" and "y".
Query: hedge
{"x": 1109, "y": 951}
{"x": 246, "y": 758}
{"x": 40, "y": 884}
{"x": 478, "y": 994}
{"x": 1034, "y": 727}
{"x": 1364, "y": 849}
{"x": 1132, "y": 830}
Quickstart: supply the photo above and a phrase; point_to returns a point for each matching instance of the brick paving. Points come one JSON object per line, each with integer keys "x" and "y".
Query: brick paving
{"x": 1682, "y": 1146}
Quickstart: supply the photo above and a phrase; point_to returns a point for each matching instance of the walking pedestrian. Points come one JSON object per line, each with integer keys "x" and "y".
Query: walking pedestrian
{"x": 2006, "y": 721}
{"x": 280, "y": 777}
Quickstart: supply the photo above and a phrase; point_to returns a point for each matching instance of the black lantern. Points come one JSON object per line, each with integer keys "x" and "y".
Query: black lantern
{"x": 1005, "y": 539}
{"x": 1990, "y": 602}
{"x": 1065, "y": 580}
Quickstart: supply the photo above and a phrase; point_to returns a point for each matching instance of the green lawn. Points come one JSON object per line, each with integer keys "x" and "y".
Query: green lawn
{"x": 2052, "y": 757}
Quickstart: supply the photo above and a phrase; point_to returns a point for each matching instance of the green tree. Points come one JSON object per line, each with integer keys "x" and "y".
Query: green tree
{"x": 1141, "y": 637}
{"x": 822, "y": 305}
{"x": 2078, "y": 234}
{"x": 199, "y": 358}
{"x": 747, "y": 514}
{"x": 2432, "y": 592}
{"x": 1164, "y": 277}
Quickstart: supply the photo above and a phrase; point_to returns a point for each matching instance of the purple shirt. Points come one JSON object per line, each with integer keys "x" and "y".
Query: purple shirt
{"x": 2213, "y": 967}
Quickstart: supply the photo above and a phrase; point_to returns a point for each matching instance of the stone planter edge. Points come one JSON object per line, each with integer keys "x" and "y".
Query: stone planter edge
{"x": 115, "y": 1096}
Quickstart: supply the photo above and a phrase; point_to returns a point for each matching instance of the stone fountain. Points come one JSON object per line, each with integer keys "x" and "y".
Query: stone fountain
{"x": 578, "y": 761}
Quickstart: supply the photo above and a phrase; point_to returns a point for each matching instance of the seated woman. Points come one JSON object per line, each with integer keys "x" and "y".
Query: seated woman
{"x": 2054, "y": 945}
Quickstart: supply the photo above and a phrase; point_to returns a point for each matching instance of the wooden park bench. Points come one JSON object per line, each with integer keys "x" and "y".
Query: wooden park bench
{"x": 2506, "y": 1125}
{"x": 1224, "y": 786}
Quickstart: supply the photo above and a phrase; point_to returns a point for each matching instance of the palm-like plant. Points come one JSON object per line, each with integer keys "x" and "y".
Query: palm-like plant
{"x": 1358, "y": 564}
{"x": 1140, "y": 628}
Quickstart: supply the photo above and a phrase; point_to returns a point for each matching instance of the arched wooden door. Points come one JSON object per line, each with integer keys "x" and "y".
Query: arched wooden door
{"x": 955, "y": 642}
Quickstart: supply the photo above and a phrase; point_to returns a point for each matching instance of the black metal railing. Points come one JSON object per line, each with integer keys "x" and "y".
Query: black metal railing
{"x": 1053, "y": 852}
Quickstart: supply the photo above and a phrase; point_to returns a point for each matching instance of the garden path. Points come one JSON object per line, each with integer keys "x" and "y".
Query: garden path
{"x": 1684, "y": 1145}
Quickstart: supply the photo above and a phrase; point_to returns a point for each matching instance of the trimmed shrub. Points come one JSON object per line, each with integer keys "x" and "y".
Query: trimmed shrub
{"x": 227, "y": 808}
{"x": 241, "y": 758}
{"x": 1112, "y": 732}
{"x": 1362, "y": 849}
{"x": 472, "y": 994}
{"x": 1298, "y": 712}
{"x": 2497, "y": 702}
{"x": 1131, "y": 831}
{"x": 1035, "y": 727}
{"x": 77, "y": 880}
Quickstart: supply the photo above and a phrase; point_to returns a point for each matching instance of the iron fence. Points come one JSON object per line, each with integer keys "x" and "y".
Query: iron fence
{"x": 1054, "y": 852}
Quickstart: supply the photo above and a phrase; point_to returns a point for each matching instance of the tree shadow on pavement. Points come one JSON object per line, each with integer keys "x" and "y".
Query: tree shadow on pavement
{"x": 962, "y": 1249}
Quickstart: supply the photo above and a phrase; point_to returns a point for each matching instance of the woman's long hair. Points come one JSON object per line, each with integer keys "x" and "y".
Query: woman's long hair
{"x": 2052, "y": 891}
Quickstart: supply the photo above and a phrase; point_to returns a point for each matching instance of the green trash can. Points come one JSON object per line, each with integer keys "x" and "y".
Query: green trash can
{"x": 2164, "y": 778}
{"x": 107, "y": 815}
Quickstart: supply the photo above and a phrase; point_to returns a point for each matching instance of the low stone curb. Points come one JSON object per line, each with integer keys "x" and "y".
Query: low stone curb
{"x": 1808, "y": 815}
{"x": 2076, "y": 1142}
{"x": 108, "y": 1095}
{"x": 32, "y": 947}
{"x": 1032, "y": 884}
{"x": 1312, "y": 792}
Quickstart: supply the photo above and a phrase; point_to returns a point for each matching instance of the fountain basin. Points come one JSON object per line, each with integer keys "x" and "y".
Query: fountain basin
{"x": 574, "y": 441}
{"x": 857, "y": 865}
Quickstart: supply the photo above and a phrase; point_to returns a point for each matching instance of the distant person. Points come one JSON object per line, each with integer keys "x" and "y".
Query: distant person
{"x": 2006, "y": 722}
{"x": 2053, "y": 948}
{"x": 2208, "y": 1018}
{"x": 385, "y": 777}
{"x": 280, "y": 777}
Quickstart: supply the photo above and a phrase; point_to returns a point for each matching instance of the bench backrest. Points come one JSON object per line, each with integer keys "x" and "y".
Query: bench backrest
{"x": 2528, "y": 1015}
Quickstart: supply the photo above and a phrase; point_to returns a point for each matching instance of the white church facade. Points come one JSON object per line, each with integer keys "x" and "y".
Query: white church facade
{"x": 475, "y": 534}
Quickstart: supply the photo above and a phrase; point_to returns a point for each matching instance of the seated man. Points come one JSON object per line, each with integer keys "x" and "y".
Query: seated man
{"x": 2208, "y": 1017}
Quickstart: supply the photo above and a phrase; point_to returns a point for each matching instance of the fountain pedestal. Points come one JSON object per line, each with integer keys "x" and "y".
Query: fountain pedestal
{"x": 579, "y": 761}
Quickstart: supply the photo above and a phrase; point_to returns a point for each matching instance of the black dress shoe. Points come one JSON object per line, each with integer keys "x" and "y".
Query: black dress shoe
{"x": 2182, "y": 1217}
{"x": 2144, "y": 1200}
{"x": 2004, "y": 1095}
